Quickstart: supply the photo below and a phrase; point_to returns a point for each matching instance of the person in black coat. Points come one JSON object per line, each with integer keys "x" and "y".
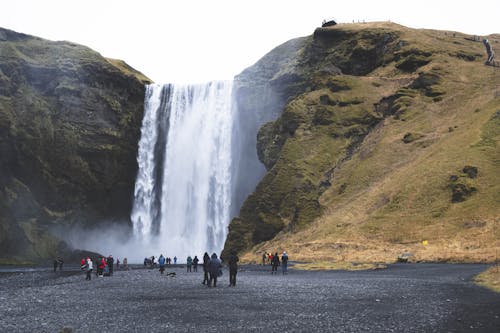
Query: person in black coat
{"x": 214, "y": 267}
{"x": 110, "y": 261}
{"x": 195, "y": 263}
{"x": 206, "y": 259}
{"x": 275, "y": 262}
{"x": 233, "y": 268}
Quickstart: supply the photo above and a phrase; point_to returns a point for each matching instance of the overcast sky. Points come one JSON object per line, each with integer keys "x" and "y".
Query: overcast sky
{"x": 202, "y": 40}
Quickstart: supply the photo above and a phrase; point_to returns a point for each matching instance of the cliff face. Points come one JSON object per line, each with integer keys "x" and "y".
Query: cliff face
{"x": 359, "y": 105}
{"x": 69, "y": 126}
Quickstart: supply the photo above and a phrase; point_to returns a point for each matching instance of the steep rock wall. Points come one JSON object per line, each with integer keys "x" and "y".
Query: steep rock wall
{"x": 69, "y": 126}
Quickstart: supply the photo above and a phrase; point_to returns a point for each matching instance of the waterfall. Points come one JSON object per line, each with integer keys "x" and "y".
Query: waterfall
{"x": 182, "y": 196}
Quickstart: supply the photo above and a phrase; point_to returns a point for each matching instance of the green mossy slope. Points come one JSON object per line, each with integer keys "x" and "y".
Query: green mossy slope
{"x": 367, "y": 157}
{"x": 69, "y": 126}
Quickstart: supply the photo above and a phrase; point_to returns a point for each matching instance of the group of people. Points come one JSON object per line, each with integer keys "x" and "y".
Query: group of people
{"x": 104, "y": 266}
{"x": 152, "y": 261}
{"x": 192, "y": 264}
{"x": 274, "y": 261}
{"x": 212, "y": 265}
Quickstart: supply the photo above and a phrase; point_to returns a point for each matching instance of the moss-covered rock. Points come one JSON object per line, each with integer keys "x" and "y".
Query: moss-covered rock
{"x": 69, "y": 126}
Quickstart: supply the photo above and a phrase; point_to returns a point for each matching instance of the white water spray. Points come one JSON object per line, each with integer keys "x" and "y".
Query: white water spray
{"x": 182, "y": 196}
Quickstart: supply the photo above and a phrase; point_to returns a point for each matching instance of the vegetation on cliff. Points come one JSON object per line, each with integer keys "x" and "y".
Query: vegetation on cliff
{"x": 388, "y": 136}
{"x": 69, "y": 126}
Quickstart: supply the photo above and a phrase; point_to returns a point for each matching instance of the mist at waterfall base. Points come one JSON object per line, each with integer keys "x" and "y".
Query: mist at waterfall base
{"x": 197, "y": 162}
{"x": 184, "y": 186}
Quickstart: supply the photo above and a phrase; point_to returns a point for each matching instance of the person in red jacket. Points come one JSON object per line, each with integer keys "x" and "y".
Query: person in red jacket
{"x": 100, "y": 266}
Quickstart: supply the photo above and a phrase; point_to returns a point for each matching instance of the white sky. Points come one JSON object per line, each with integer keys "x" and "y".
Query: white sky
{"x": 202, "y": 40}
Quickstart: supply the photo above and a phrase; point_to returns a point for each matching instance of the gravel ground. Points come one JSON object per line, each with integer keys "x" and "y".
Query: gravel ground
{"x": 401, "y": 298}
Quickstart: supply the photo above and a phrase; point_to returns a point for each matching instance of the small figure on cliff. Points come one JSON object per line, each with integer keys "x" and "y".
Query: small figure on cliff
{"x": 175, "y": 260}
{"x": 124, "y": 264}
{"x": 489, "y": 51}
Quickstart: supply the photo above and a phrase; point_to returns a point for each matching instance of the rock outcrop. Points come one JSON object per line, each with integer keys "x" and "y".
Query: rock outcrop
{"x": 69, "y": 127}
{"x": 368, "y": 120}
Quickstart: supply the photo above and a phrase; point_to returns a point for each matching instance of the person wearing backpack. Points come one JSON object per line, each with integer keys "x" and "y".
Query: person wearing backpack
{"x": 284, "y": 262}
{"x": 214, "y": 268}
{"x": 233, "y": 268}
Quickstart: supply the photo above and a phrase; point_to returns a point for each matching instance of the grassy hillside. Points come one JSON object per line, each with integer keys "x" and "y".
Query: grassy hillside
{"x": 399, "y": 146}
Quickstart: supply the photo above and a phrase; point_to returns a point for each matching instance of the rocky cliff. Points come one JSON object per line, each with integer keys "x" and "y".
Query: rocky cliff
{"x": 69, "y": 127}
{"x": 377, "y": 129}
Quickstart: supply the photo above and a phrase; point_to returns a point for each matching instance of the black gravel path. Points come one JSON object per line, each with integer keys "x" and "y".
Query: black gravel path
{"x": 402, "y": 298}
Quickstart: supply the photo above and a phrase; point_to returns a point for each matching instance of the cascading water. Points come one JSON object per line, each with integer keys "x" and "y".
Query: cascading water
{"x": 182, "y": 197}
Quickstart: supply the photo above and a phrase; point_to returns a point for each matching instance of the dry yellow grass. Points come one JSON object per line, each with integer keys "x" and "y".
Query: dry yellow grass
{"x": 490, "y": 279}
{"x": 391, "y": 196}
{"x": 337, "y": 265}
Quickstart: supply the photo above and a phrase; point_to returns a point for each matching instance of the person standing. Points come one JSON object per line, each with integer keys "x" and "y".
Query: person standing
{"x": 206, "y": 260}
{"x": 161, "y": 262}
{"x": 124, "y": 264}
{"x": 284, "y": 262}
{"x": 55, "y": 264}
{"x": 264, "y": 257}
{"x": 175, "y": 260}
{"x": 100, "y": 266}
{"x": 60, "y": 261}
{"x": 89, "y": 268}
{"x": 233, "y": 268}
{"x": 189, "y": 262}
{"x": 214, "y": 266}
{"x": 110, "y": 261}
{"x": 117, "y": 264}
{"x": 195, "y": 263}
{"x": 275, "y": 262}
